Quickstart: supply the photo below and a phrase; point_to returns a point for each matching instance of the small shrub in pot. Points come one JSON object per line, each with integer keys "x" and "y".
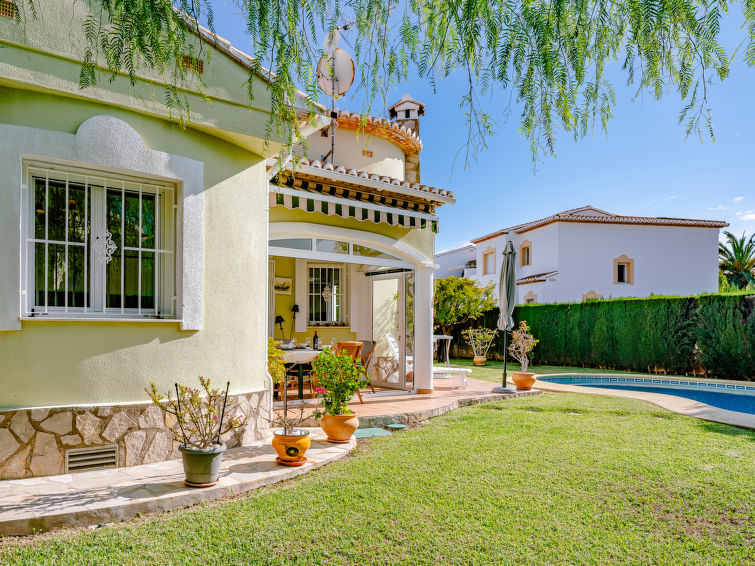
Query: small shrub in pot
{"x": 202, "y": 417}
{"x": 522, "y": 343}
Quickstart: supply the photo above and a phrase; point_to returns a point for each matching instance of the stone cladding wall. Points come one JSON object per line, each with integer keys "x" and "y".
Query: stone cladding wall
{"x": 33, "y": 442}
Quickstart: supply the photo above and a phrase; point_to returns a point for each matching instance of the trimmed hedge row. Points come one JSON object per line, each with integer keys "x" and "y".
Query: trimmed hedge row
{"x": 677, "y": 334}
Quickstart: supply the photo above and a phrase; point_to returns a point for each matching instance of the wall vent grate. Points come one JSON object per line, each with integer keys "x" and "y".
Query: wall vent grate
{"x": 192, "y": 64}
{"x": 7, "y": 9}
{"x": 81, "y": 459}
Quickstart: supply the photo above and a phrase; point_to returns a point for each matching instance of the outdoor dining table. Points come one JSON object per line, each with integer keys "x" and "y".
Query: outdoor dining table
{"x": 300, "y": 357}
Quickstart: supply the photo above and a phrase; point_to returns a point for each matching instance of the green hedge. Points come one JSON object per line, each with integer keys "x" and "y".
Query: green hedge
{"x": 643, "y": 334}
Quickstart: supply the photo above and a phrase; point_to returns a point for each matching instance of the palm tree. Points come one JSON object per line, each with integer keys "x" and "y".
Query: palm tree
{"x": 737, "y": 260}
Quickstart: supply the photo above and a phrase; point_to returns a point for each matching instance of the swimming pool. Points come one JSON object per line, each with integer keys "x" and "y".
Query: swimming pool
{"x": 739, "y": 398}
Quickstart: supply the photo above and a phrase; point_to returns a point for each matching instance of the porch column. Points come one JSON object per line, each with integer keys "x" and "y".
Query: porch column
{"x": 423, "y": 330}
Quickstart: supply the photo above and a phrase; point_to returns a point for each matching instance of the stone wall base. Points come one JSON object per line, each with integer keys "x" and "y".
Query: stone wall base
{"x": 33, "y": 442}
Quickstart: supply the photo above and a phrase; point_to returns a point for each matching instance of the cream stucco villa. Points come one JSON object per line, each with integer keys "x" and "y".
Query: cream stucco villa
{"x": 589, "y": 253}
{"x": 137, "y": 251}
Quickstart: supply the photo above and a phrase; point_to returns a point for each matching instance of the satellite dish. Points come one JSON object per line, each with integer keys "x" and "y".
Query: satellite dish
{"x": 335, "y": 72}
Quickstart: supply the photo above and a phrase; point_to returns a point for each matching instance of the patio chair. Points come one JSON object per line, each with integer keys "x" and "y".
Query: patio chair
{"x": 368, "y": 348}
{"x": 354, "y": 349}
{"x": 393, "y": 346}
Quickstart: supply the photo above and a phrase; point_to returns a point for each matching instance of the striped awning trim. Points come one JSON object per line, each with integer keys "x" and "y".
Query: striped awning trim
{"x": 297, "y": 199}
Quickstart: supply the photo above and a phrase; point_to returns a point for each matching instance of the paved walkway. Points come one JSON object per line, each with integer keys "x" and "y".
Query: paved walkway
{"x": 104, "y": 496}
{"x": 386, "y": 407}
{"x": 448, "y": 394}
{"x": 673, "y": 403}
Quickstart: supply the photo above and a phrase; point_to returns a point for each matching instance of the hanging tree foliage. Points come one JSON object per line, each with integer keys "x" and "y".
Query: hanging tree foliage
{"x": 550, "y": 55}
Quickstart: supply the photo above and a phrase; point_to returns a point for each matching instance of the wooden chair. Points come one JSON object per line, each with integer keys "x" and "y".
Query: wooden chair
{"x": 367, "y": 351}
{"x": 354, "y": 349}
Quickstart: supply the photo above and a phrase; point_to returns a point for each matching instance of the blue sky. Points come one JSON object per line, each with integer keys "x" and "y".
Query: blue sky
{"x": 644, "y": 166}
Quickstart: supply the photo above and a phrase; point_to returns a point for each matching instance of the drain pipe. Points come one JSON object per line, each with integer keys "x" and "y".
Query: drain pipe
{"x": 272, "y": 392}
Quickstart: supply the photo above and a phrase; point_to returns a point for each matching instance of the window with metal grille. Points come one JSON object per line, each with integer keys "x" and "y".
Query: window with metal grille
{"x": 327, "y": 296}
{"x": 7, "y": 9}
{"x": 97, "y": 245}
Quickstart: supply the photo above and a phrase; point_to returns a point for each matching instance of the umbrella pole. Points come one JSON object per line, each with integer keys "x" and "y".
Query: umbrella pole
{"x": 505, "y": 337}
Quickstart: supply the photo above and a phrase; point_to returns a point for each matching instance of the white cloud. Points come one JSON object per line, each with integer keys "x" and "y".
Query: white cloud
{"x": 672, "y": 197}
{"x": 719, "y": 207}
{"x": 737, "y": 199}
{"x": 750, "y": 216}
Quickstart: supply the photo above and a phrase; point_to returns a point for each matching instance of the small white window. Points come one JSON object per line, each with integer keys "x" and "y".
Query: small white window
{"x": 623, "y": 270}
{"x": 526, "y": 253}
{"x": 98, "y": 246}
{"x": 488, "y": 263}
{"x": 621, "y": 273}
{"x": 326, "y": 295}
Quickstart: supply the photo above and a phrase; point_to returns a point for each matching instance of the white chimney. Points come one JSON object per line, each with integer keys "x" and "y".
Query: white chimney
{"x": 406, "y": 112}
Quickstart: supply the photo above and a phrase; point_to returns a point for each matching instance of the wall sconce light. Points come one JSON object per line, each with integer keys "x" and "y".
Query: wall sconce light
{"x": 294, "y": 310}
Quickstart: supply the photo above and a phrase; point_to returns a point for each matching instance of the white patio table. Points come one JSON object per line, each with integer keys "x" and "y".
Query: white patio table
{"x": 300, "y": 358}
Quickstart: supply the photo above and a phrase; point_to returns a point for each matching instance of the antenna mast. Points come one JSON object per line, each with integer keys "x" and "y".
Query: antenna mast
{"x": 335, "y": 75}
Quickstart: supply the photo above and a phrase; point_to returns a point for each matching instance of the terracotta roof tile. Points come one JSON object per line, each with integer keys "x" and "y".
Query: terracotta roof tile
{"x": 394, "y": 132}
{"x": 604, "y": 218}
{"x": 536, "y": 278}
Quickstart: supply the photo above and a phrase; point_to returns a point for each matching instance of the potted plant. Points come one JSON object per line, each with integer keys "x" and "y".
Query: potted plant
{"x": 522, "y": 343}
{"x": 338, "y": 377}
{"x": 201, "y": 419}
{"x": 480, "y": 339}
{"x": 290, "y": 442}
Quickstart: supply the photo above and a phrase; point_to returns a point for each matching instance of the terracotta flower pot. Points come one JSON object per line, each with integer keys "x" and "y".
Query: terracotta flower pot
{"x": 480, "y": 360}
{"x": 339, "y": 428}
{"x": 523, "y": 380}
{"x": 291, "y": 448}
{"x": 202, "y": 465}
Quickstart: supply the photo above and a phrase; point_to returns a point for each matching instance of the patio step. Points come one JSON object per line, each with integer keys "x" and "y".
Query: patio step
{"x": 420, "y": 415}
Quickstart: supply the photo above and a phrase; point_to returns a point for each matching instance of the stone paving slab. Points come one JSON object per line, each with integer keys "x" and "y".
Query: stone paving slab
{"x": 35, "y": 505}
{"x": 412, "y": 408}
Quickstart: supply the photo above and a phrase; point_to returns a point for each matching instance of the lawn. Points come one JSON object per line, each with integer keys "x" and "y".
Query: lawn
{"x": 553, "y": 479}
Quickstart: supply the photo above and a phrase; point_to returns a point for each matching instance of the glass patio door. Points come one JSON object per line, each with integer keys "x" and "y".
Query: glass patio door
{"x": 393, "y": 330}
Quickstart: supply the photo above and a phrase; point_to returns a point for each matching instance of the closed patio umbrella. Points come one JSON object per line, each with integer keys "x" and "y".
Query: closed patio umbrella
{"x": 506, "y": 302}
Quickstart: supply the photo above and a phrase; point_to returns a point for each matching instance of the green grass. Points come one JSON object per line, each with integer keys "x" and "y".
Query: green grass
{"x": 553, "y": 479}
{"x": 492, "y": 370}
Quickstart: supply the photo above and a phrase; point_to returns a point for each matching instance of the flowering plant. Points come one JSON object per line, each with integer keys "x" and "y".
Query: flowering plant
{"x": 338, "y": 377}
{"x": 201, "y": 416}
{"x": 522, "y": 343}
{"x": 480, "y": 339}
{"x": 276, "y": 367}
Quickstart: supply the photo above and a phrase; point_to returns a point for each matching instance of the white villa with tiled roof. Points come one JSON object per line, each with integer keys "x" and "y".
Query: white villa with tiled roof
{"x": 588, "y": 253}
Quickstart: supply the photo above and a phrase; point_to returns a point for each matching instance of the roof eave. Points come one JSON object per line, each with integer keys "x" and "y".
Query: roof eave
{"x": 381, "y": 186}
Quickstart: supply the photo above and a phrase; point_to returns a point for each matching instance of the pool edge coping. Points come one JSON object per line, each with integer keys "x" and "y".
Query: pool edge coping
{"x": 681, "y": 405}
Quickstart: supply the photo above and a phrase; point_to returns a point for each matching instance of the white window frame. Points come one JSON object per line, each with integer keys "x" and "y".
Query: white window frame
{"x": 343, "y": 295}
{"x": 349, "y": 256}
{"x": 489, "y": 261}
{"x": 97, "y": 183}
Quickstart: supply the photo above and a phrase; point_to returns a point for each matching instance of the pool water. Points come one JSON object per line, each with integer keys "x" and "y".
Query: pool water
{"x": 740, "y": 398}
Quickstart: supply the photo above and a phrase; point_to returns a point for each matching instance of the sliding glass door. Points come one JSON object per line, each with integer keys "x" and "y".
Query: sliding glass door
{"x": 393, "y": 330}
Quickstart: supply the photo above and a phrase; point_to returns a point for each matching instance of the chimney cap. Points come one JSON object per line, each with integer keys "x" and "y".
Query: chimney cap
{"x": 406, "y": 103}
